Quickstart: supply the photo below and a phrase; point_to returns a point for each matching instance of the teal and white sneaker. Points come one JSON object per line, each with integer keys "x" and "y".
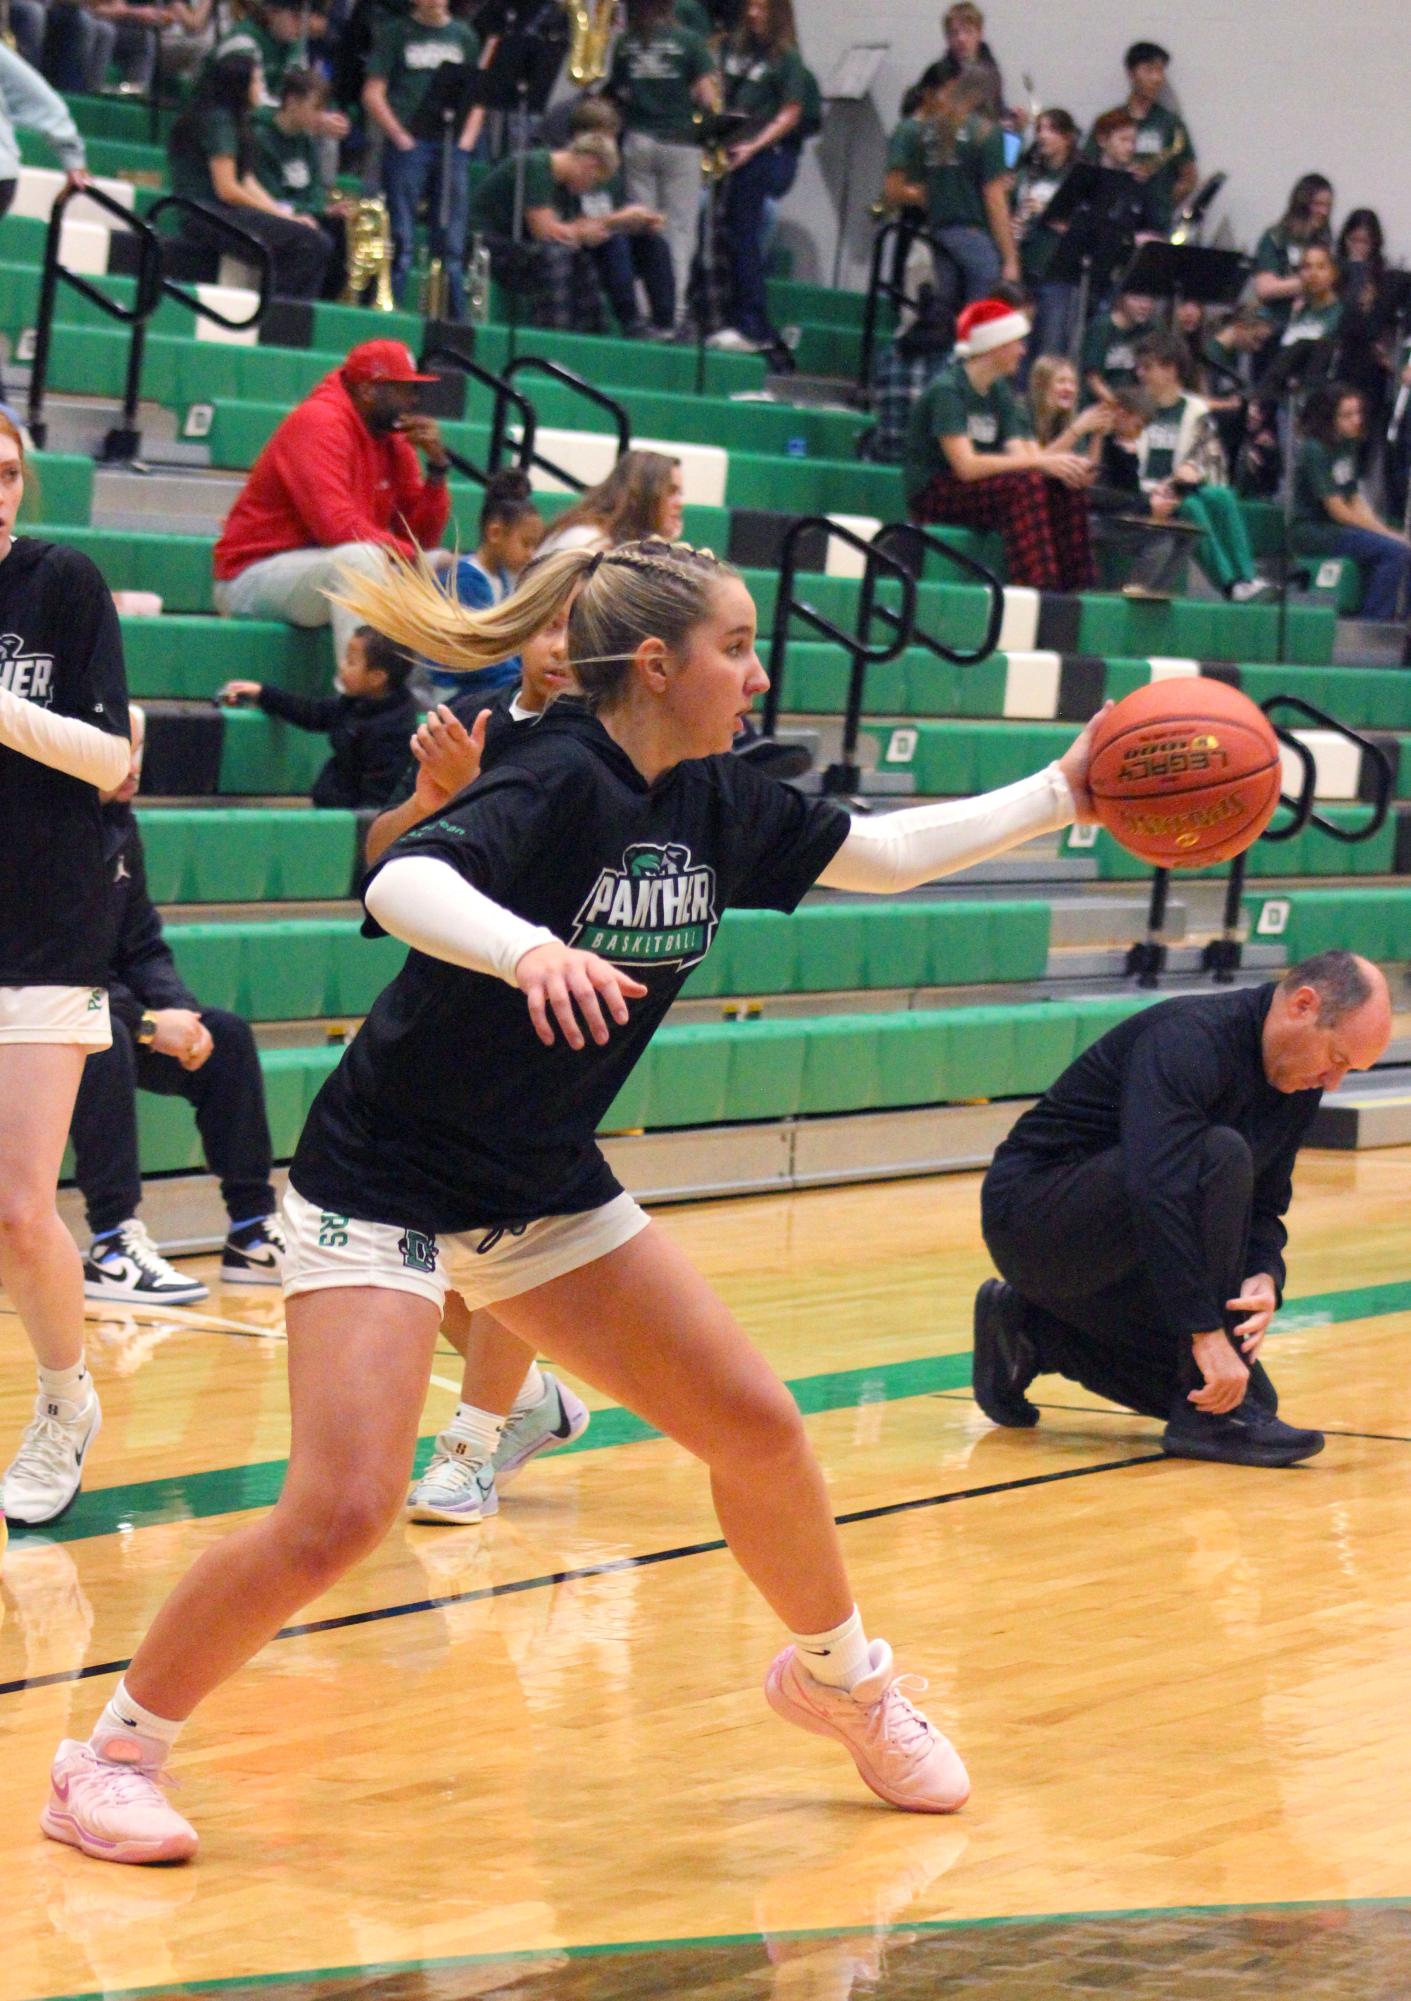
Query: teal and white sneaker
{"x": 557, "y": 1419}
{"x": 454, "y": 1487}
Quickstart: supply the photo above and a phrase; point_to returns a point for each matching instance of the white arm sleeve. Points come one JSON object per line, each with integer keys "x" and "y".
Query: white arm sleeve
{"x": 902, "y": 850}
{"x": 427, "y": 905}
{"x": 63, "y": 742}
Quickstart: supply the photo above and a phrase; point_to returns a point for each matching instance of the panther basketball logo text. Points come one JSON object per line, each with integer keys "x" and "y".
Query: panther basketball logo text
{"x": 657, "y": 908}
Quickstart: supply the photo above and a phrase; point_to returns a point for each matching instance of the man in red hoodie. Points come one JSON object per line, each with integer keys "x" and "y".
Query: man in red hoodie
{"x": 337, "y": 484}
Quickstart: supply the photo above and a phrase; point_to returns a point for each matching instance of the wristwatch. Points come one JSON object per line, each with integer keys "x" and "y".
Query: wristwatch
{"x": 146, "y": 1030}
{"x": 437, "y": 471}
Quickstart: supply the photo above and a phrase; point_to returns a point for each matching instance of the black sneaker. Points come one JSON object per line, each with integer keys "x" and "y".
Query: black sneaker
{"x": 254, "y": 1255}
{"x": 1261, "y": 1389}
{"x": 1005, "y": 1361}
{"x": 1248, "y": 1436}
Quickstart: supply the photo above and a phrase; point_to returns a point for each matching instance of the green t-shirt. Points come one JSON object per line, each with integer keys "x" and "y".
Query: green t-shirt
{"x": 1311, "y": 322}
{"x": 191, "y": 149}
{"x": 1159, "y": 133}
{"x": 955, "y": 188}
{"x": 492, "y": 204}
{"x": 692, "y": 15}
{"x": 652, "y": 79}
{"x": 1163, "y": 435}
{"x": 286, "y": 166}
{"x": 1319, "y": 475}
{"x": 1111, "y": 352}
{"x": 407, "y": 55}
{"x": 952, "y": 407}
{"x": 1280, "y": 256}
{"x": 251, "y": 38}
{"x": 761, "y": 85}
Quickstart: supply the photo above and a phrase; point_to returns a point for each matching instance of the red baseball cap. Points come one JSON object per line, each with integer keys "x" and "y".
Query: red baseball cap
{"x": 382, "y": 361}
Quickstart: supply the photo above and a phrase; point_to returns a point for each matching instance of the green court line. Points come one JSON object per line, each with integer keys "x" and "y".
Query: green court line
{"x": 931, "y": 1927}
{"x": 227, "y": 1489}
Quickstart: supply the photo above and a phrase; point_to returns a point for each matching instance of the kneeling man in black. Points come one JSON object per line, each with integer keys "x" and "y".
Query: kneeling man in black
{"x": 1136, "y": 1212}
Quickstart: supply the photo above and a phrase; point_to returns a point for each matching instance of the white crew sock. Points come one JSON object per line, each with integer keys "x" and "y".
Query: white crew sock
{"x": 531, "y": 1391}
{"x": 473, "y": 1433}
{"x": 839, "y": 1658}
{"x": 67, "y": 1385}
{"x": 125, "y": 1718}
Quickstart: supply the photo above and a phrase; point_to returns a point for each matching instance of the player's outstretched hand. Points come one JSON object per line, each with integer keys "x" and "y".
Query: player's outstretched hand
{"x": 448, "y": 755}
{"x": 1226, "y": 1377}
{"x": 1074, "y": 766}
{"x": 556, "y": 979}
{"x": 1258, "y": 1301}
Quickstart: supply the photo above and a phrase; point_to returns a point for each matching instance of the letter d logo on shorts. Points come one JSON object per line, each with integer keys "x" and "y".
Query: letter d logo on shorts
{"x": 418, "y": 1250}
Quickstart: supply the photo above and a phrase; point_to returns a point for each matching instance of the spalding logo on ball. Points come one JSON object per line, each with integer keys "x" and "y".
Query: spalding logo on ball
{"x": 1185, "y": 773}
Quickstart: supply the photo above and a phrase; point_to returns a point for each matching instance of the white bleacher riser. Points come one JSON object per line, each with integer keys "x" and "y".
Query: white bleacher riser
{"x": 40, "y": 187}
{"x": 842, "y": 559}
{"x": 1031, "y": 682}
{"x": 1020, "y": 627}
{"x": 84, "y": 247}
{"x": 1168, "y": 668}
{"x": 238, "y": 275}
{"x": 591, "y": 455}
{"x": 237, "y": 304}
{"x": 1339, "y": 765}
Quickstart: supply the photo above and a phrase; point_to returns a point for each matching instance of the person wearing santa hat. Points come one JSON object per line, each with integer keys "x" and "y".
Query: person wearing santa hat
{"x": 971, "y": 461}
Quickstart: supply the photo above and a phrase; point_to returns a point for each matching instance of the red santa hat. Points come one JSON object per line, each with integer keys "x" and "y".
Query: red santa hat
{"x": 986, "y": 325}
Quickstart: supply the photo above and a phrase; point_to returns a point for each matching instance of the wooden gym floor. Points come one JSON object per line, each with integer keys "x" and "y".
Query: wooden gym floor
{"x": 531, "y": 1759}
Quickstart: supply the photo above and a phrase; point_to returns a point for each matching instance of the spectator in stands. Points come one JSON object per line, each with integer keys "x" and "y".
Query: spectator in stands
{"x": 1164, "y": 158}
{"x": 1188, "y": 320}
{"x": 1052, "y": 153}
{"x": 955, "y": 154}
{"x": 1126, "y": 212}
{"x": 78, "y": 45}
{"x": 636, "y": 246}
{"x": 971, "y": 463}
{"x": 185, "y": 37}
{"x": 642, "y": 496}
{"x": 29, "y": 23}
{"x": 1055, "y": 421}
{"x": 28, "y": 101}
{"x": 1331, "y": 516}
{"x": 661, "y": 75}
{"x": 1316, "y": 314}
{"x": 963, "y": 26}
{"x": 165, "y": 1041}
{"x": 211, "y": 154}
{"x": 274, "y": 32}
{"x": 511, "y": 529}
{"x": 1139, "y": 529}
{"x": 1369, "y": 315}
{"x": 416, "y": 58}
{"x": 1180, "y": 458}
{"x": 554, "y": 253}
{"x": 1281, "y": 247}
{"x": 1110, "y": 344}
{"x": 766, "y": 81}
{"x": 1225, "y": 371}
{"x": 337, "y": 483}
{"x": 368, "y": 722}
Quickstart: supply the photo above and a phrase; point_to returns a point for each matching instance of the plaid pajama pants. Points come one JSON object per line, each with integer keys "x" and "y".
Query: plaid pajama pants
{"x": 562, "y": 282}
{"x": 1044, "y": 524}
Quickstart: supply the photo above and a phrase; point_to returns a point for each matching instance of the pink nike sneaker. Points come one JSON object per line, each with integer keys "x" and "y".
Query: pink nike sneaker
{"x": 113, "y": 1807}
{"x": 904, "y": 1759}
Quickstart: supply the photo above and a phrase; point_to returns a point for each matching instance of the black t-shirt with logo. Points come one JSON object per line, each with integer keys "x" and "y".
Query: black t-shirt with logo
{"x": 60, "y": 647}
{"x": 447, "y": 1112}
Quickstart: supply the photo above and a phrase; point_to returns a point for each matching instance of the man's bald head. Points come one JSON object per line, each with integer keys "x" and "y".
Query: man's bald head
{"x": 1330, "y": 1014}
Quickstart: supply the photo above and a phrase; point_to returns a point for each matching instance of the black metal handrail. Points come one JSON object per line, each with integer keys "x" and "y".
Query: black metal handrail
{"x": 622, "y": 423}
{"x": 504, "y": 393}
{"x": 250, "y": 248}
{"x": 894, "y": 533}
{"x": 902, "y": 232}
{"x": 148, "y": 298}
{"x": 845, "y": 775}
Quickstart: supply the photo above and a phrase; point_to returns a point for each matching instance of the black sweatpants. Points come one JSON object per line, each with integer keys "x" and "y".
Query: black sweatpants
{"x": 1064, "y": 1237}
{"x": 229, "y": 1096}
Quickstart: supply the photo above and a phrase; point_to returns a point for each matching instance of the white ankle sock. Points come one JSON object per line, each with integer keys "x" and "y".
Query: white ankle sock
{"x": 473, "y": 1433}
{"x": 125, "y": 1718}
{"x": 839, "y": 1657}
{"x": 531, "y": 1391}
{"x": 66, "y": 1385}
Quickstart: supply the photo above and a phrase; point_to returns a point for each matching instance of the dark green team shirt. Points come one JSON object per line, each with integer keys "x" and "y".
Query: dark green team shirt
{"x": 251, "y": 38}
{"x": 952, "y": 407}
{"x": 1311, "y": 322}
{"x": 1160, "y": 136}
{"x": 1163, "y": 435}
{"x": 761, "y": 85}
{"x": 653, "y": 78}
{"x": 407, "y": 55}
{"x": 286, "y": 166}
{"x": 1280, "y": 256}
{"x": 492, "y": 204}
{"x": 692, "y": 15}
{"x": 1111, "y": 352}
{"x": 955, "y": 188}
{"x": 1319, "y": 475}
{"x": 190, "y": 152}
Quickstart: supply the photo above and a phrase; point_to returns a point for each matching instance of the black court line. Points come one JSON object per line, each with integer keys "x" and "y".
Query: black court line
{"x": 1105, "y": 1410}
{"x": 618, "y": 1564}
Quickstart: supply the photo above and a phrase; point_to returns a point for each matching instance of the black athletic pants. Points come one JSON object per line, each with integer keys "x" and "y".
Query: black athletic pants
{"x": 1064, "y": 1237}
{"x": 228, "y": 1094}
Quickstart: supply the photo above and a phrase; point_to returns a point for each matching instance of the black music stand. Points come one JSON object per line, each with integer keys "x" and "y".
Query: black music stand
{"x": 454, "y": 90}
{"x": 1102, "y": 208}
{"x": 714, "y": 129}
{"x": 1187, "y": 271}
{"x": 517, "y": 82}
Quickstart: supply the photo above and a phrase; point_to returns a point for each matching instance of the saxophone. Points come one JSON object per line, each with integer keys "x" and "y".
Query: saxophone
{"x": 591, "y": 25}
{"x": 368, "y": 252}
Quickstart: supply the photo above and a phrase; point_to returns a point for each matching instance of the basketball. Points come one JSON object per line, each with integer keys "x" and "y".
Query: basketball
{"x": 1185, "y": 773}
